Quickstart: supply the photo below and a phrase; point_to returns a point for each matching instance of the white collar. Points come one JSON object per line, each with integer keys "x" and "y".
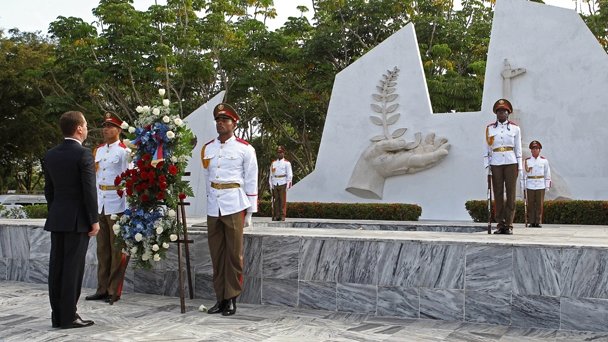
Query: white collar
{"x": 76, "y": 140}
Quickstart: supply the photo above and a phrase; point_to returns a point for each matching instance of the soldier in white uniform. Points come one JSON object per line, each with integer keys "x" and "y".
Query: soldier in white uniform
{"x": 231, "y": 171}
{"x": 280, "y": 181}
{"x": 502, "y": 158}
{"x": 111, "y": 159}
{"x": 538, "y": 180}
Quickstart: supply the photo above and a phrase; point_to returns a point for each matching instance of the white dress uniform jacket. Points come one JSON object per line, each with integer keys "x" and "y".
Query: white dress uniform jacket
{"x": 110, "y": 161}
{"x": 233, "y": 162}
{"x": 503, "y": 144}
{"x": 280, "y": 173}
{"x": 539, "y": 175}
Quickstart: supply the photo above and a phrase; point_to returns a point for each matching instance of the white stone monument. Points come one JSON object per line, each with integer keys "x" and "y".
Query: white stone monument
{"x": 554, "y": 73}
{"x": 203, "y": 126}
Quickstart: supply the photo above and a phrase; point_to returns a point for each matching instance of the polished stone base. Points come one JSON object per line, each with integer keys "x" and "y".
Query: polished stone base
{"x": 552, "y": 278}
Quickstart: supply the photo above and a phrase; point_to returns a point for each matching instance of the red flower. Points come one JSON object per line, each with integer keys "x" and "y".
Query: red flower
{"x": 120, "y": 192}
{"x": 181, "y": 196}
{"x": 160, "y": 196}
{"x": 117, "y": 180}
{"x": 146, "y": 157}
{"x": 162, "y": 178}
{"x": 144, "y": 198}
{"x": 162, "y": 185}
{"x": 172, "y": 170}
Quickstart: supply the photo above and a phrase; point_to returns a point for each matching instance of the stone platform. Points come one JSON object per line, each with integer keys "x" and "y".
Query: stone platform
{"x": 555, "y": 277}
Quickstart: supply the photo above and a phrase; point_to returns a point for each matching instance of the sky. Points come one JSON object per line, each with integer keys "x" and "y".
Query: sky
{"x": 36, "y": 15}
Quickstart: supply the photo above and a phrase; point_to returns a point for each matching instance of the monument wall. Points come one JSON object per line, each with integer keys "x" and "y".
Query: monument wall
{"x": 203, "y": 126}
{"x": 556, "y": 75}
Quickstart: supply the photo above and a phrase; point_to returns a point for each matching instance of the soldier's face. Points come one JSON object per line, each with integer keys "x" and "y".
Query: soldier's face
{"x": 110, "y": 133}
{"x": 224, "y": 125}
{"x": 502, "y": 115}
{"x": 535, "y": 152}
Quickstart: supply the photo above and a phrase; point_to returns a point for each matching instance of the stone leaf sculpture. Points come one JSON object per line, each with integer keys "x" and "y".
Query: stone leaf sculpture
{"x": 389, "y": 155}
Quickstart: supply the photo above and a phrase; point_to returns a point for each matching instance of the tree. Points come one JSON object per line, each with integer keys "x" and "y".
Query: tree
{"x": 28, "y": 123}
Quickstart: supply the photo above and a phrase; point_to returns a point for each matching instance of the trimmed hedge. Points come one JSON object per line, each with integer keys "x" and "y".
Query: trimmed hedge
{"x": 36, "y": 210}
{"x": 564, "y": 212}
{"x": 353, "y": 211}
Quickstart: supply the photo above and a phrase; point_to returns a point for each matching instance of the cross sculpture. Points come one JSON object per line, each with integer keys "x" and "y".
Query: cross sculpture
{"x": 507, "y": 74}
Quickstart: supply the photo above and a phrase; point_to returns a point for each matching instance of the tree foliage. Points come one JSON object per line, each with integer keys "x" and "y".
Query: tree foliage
{"x": 280, "y": 80}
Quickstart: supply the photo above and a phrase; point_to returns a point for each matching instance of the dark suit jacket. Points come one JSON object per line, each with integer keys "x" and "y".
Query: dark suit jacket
{"x": 69, "y": 173}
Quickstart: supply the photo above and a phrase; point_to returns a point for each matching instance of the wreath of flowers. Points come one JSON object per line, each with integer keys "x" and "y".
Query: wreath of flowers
{"x": 160, "y": 144}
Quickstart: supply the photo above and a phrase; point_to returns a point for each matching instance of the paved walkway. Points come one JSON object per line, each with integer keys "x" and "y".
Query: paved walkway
{"x": 25, "y": 316}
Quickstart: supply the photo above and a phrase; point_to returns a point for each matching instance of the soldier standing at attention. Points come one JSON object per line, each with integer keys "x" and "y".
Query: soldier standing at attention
{"x": 111, "y": 159}
{"x": 502, "y": 158}
{"x": 231, "y": 172}
{"x": 280, "y": 180}
{"x": 538, "y": 180}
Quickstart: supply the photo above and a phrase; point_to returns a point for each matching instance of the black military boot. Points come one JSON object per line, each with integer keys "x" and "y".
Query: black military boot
{"x": 230, "y": 308}
{"x": 218, "y": 307}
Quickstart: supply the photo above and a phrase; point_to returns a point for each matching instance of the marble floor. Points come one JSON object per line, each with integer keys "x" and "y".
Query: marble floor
{"x": 25, "y": 316}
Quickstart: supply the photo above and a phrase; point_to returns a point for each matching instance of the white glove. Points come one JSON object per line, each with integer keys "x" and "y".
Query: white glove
{"x": 248, "y": 222}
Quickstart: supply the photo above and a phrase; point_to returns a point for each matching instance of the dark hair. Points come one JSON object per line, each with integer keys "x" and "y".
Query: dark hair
{"x": 69, "y": 122}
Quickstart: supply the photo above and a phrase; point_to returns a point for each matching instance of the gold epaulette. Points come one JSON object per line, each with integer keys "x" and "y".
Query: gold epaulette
{"x": 489, "y": 139}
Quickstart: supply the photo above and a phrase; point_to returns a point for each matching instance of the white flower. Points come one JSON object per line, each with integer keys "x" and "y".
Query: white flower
{"x": 116, "y": 228}
{"x": 170, "y": 134}
{"x": 166, "y": 119}
{"x": 166, "y": 102}
{"x": 161, "y": 92}
{"x": 155, "y": 247}
{"x": 145, "y": 257}
{"x": 113, "y": 217}
{"x": 178, "y": 122}
{"x": 155, "y": 111}
{"x": 159, "y": 230}
{"x": 133, "y": 250}
{"x": 171, "y": 213}
{"x": 174, "y": 159}
{"x": 124, "y": 125}
{"x": 138, "y": 237}
{"x": 156, "y": 257}
{"x": 183, "y": 158}
{"x": 165, "y": 245}
{"x": 139, "y": 109}
{"x": 146, "y": 109}
{"x": 131, "y": 129}
{"x": 173, "y": 237}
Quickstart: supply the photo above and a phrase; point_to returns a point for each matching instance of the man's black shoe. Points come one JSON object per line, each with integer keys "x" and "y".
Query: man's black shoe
{"x": 97, "y": 296}
{"x": 218, "y": 307}
{"x": 230, "y": 308}
{"x": 79, "y": 323}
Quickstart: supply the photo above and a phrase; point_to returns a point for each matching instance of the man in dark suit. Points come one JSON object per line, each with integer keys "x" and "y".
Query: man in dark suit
{"x": 69, "y": 174}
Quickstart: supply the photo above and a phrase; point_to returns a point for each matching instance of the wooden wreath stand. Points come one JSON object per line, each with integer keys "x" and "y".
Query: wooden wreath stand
{"x": 181, "y": 218}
